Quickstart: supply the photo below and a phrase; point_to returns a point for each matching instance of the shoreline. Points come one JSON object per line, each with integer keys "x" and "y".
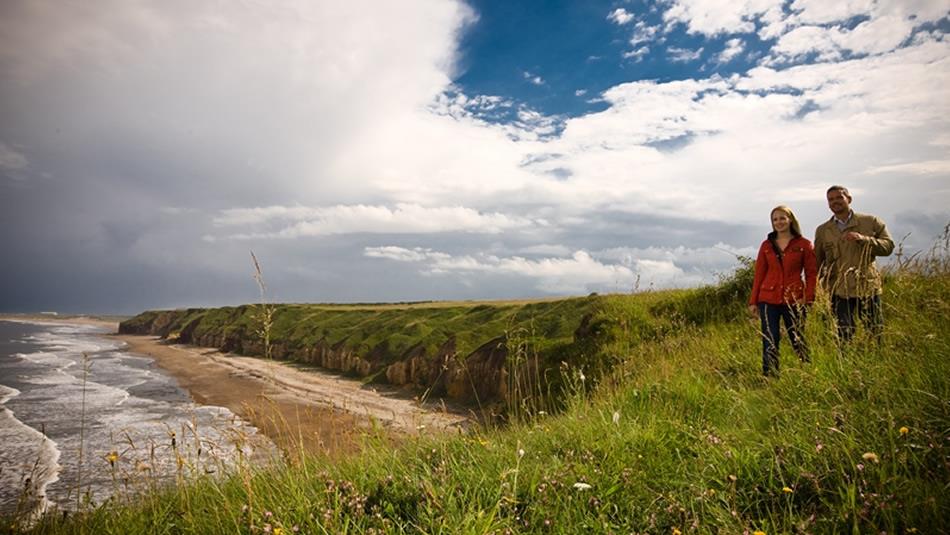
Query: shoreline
{"x": 290, "y": 423}
{"x": 298, "y": 408}
{"x": 81, "y": 319}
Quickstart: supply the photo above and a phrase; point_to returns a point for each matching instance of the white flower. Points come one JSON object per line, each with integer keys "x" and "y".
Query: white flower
{"x": 581, "y": 486}
{"x": 616, "y": 417}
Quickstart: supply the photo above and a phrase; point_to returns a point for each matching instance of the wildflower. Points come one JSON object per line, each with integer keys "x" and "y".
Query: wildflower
{"x": 278, "y": 531}
{"x": 581, "y": 486}
{"x": 819, "y": 447}
{"x": 758, "y": 532}
{"x": 859, "y": 466}
{"x": 903, "y": 430}
{"x": 520, "y": 452}
{"x": 268, "y": 514}
{"x": 676, "y": 531}
{"x": 870, "y": 456}
{"x": 112, "y": 457}
{"x": 787, "y": 490}
{"x": 616, "y": 417}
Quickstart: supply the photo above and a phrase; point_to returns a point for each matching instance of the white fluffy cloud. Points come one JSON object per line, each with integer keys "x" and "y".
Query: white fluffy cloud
{"x": 713, "y": 17}
{"x": 577, "y": 274}
{"x": 643, "y": 33}
{"x": 620, "y": 16}
{"x": 299, "y": 221}
{"x": 612, "y": 270}
{"x": 733, "y": 48}
{"x": 683, "y": 54}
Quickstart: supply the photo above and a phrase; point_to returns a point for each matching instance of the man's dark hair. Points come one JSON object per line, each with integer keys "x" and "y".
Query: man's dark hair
{"x": 842, "y": 189}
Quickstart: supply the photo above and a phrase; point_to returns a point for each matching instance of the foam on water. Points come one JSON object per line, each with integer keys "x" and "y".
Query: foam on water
{"x": 67, "y": 379}
{"x": 29, "y": 461}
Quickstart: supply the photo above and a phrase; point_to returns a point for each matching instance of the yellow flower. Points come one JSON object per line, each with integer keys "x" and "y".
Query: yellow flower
{"x": 112, "y": 457}
{"x": 278, "y": 531}
{"x": 676, "y": 531}
{"x": 758, "y": 532}
{"x": 870, "y": 456}
{"x": 904, "y": 430}
{"x": 786, "y": 490}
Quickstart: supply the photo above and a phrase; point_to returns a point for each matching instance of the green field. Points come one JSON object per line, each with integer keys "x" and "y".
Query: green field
{"x": 660, "y": 423}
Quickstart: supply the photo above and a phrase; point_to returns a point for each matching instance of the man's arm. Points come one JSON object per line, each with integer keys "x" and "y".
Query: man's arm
{"x": 881, "y": 242}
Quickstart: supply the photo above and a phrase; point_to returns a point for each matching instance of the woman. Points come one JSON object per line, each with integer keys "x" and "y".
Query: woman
{"x": 778, "y": 291}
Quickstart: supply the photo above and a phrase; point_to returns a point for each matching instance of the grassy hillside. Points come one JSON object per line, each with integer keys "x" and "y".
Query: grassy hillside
{"x": 683, "y": 435}
{"x": 498, "y": 356}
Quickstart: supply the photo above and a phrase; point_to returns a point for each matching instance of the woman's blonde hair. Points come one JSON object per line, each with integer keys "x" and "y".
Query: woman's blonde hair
{"x": 793, "y": 226}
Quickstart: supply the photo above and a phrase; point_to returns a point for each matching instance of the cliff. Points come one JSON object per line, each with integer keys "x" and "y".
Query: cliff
{"x": 471, "y": 353}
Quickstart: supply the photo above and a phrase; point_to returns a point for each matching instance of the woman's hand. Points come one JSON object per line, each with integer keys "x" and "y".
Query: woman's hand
{"x": 753, "y": 310}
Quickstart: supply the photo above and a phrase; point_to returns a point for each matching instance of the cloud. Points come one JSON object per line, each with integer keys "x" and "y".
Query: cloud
{"x": 928, "y": 167}
{"x": 821, "y": 12}
{"x": 547, "y": 249}
{"x": 714, "y": 17}
{"x": 683, "y": 55}
{"x": 643, "y": 32}
{"x": 399, "y": 254}
{"x": 577, "y": 274}
{"x": 613, "y": 270}
{"x": 620, "y": 16}
{"x": 823, "y": 28}
{"x": 637, "y": 54}
{"x": 876, "y": 36}
{"x": 733, "y": 48}
{"x": 533, "y": 78}
{"x": 301, "y": 221}
{"x": 12, "y": 159}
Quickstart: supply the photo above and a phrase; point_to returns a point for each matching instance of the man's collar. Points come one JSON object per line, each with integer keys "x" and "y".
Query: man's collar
{"x": 845, "y": 220}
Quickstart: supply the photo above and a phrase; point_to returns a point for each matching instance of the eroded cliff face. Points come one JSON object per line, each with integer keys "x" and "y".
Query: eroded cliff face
{"x": 481, "y": 376}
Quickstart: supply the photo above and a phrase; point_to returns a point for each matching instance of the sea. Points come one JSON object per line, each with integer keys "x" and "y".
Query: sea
{"x": 83, "y": 421}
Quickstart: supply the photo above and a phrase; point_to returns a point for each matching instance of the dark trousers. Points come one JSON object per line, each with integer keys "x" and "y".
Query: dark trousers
{"x": 794, "y": 318}
{"x": 850, "y": 310}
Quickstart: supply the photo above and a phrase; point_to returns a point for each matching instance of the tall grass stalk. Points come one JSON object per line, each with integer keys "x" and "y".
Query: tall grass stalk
{"x": 86, "y": 365}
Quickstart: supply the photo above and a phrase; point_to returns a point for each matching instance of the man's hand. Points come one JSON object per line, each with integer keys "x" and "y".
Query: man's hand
{"x": 854, "y": 236}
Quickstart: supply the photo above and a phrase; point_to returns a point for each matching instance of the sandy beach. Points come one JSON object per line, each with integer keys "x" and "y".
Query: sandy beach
{"x": 296, "y": 407}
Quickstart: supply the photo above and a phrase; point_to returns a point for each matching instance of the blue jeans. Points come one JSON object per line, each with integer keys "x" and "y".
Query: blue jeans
{"x": 794, "y": 318}
{"x": 850, "y": 309}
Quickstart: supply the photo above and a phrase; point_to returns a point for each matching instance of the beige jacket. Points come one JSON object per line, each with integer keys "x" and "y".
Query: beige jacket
{"x": 846, "y": 268}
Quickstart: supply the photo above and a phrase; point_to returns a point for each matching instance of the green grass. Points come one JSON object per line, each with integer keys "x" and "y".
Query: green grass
{"x": 680, "y": 434}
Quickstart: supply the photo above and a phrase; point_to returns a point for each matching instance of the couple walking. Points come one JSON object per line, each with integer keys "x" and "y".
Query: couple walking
{"x": 788, "y": 268}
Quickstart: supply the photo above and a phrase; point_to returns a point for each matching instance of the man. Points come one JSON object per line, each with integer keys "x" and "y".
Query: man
{"x": 845, "y": 247}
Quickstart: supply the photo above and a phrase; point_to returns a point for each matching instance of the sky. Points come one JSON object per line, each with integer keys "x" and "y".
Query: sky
{"x": 371, "y": 151}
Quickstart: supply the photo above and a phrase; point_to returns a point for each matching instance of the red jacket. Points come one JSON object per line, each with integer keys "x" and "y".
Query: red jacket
{"x": 780, "y": 281}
